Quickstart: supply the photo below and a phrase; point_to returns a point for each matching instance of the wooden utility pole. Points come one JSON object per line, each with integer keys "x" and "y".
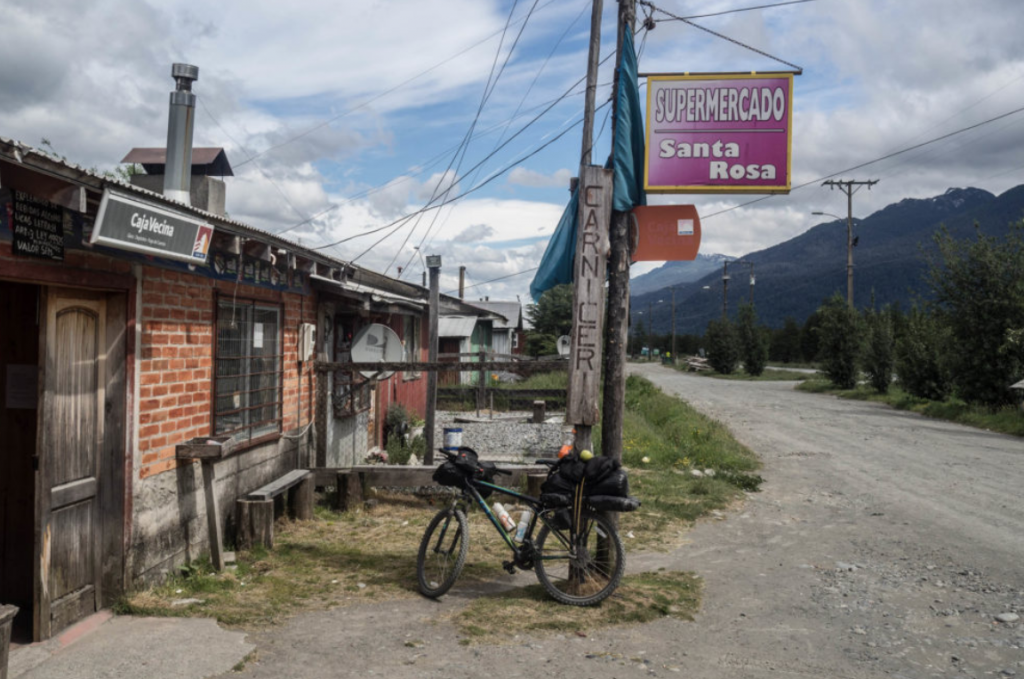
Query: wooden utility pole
{"x": 434, "y": 265}
{"x": 595, "y": 191}
{"x": 618, "y": 292}
{"x": 462, "y": 282}
{"x": 725, "y": 291}
{"x": 673, "y": 325}
{"x": 849, "y": 187}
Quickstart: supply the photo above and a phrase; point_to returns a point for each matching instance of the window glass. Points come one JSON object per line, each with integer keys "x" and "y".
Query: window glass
{"x": 247, "y": 377}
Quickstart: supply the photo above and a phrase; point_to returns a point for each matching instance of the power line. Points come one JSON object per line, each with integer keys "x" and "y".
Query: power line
{"x": 461, "y": 195}
{"x": 872, "y": 162}
{"x": 383, "y": 94}
{"x": 519, "y": 107}
{"x": 494, "y": 280}
{"x": 746, "y": 9}
{"x": 488, "y": 157}
{"x": 492, "y": 84}
{"x": 720, "y": 35}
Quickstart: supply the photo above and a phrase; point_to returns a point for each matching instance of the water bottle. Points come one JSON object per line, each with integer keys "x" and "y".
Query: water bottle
{"x": 524, "y": 523}
{"x": 503, "y": 518}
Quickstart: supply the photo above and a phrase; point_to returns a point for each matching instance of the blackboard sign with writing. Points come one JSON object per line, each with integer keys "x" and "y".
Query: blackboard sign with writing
{"x": 38, "y": 228}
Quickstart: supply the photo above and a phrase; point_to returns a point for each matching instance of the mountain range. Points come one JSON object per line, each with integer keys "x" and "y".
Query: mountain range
{"x": 794, "y": 277}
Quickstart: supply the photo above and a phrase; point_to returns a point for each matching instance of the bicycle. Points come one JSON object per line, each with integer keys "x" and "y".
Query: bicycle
{"x": 577, "y": 556}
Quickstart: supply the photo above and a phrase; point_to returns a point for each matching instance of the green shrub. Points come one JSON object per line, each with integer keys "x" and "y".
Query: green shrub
{"x": 840, "y": 342}
{"x": 920, "y": 363}
{"x": 723, "y": 346}
{"x": 880, "y": 357}
{"x": 753, "y": 341}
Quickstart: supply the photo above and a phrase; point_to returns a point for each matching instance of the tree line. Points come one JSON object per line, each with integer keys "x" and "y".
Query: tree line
{"x": 966, "y": 341}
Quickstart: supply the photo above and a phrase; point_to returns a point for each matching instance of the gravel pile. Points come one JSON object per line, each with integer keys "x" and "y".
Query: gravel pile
{"x": 509, "y": 437}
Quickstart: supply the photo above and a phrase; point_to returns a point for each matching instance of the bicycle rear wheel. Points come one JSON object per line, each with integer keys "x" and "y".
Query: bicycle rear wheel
{"x": 442, "y": 552}
{"x": 583, "y": 574}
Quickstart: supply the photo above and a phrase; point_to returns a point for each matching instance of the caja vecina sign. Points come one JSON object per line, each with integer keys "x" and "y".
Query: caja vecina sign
{"x": 719, "y": 133}
{"x": 128, "y": 223}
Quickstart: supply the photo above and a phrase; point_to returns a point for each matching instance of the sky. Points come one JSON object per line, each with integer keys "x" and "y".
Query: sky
{"x": 342, "y": 119}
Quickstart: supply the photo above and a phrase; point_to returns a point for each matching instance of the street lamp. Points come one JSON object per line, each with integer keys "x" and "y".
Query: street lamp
{"x": 849, "y": 252}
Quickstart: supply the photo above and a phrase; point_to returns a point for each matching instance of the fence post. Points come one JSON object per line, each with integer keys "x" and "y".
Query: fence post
{"x": 481, "y": 387}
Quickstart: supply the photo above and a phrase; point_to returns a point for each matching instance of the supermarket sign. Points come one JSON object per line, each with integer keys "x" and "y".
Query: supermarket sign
{"x": 718, "y": 133}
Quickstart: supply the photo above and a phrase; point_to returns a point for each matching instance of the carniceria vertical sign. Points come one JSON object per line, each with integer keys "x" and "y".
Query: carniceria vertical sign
{"x": 588, "y": 295}
{"x": 717, "y": 133}
{"x": 129, "y": 223}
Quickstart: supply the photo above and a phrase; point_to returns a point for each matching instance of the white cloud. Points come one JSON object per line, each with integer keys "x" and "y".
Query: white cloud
{"x": 522, "y": 177}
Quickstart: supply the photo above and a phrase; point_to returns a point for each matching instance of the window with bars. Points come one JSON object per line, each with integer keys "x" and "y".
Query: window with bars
{"x": 247, "y": 369}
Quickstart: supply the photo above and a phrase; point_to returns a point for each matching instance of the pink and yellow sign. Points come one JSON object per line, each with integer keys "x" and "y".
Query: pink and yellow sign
{"x": 719, "y": 133}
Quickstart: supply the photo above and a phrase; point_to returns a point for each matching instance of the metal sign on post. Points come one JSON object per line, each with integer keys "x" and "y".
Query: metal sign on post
{"x": 588, "y": 295}
{"x": 128, "y": 223}
{"x": 664, "y": 233}
{"x": 719, "y": 133}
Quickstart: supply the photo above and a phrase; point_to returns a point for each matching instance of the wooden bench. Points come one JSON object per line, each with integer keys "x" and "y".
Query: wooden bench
{"x": 255, "y": 512}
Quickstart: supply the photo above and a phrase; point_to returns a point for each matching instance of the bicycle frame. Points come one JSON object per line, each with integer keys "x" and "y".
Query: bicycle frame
{"x": 534, "y": 504}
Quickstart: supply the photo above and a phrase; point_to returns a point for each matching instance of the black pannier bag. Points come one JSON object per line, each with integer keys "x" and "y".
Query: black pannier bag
{"x": 605, "y": 484}
{"x": 611, "y": 503}
{"x": 466, "y": 465}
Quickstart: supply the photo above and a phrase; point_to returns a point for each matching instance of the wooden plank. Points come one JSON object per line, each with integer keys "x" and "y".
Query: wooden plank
{"x": 278, "y": 486}
{"x": 206, "y": 448}
{"x": 588, "y": 296}
{"x": 213, "y": 525}
{"x": 73, "y": 607}
{"x": 76, "y": 491}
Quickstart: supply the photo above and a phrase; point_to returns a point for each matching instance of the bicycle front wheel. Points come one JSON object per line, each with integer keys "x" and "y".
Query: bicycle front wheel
{"x": 442, "y": 552}
{"x": 584, "y": 573}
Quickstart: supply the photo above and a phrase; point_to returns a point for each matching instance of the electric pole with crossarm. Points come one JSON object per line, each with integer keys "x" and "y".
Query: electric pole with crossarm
{"x": 849, "y": 187}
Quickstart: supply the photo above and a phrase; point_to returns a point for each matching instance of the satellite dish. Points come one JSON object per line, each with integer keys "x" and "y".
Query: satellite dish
{"x": 564, "y": 345}
{"x": 377, "y": 343}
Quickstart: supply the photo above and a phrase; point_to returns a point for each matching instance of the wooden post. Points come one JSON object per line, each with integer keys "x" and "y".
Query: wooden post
{"x": 588, "y": 302}
{"x": 533, "y": 484}
{"x": 7, "y": 614}
{"x": 434, "y": 264}
{"x": 255, "y": 523}
{"x": 300, "y": 499}
{"x": 213, "y": 515}
{"x": 481, "y": 387}
{"x": 350, "y": 491}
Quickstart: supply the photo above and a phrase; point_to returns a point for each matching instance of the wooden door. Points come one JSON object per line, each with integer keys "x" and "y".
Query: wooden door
{"x": 68, "y": 532}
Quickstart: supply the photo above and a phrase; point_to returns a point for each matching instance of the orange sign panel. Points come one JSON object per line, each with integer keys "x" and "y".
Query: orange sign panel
{"x": 664, "y": 233}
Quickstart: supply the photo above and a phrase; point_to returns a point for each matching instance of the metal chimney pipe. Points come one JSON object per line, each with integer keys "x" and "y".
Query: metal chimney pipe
{"x": 180, "y": 124}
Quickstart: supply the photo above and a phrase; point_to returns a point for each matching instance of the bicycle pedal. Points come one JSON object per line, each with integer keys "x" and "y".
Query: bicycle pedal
{"x": 509, "y": 566}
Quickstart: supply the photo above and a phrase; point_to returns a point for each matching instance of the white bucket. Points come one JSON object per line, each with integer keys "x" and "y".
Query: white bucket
{"x": 452, "y": 438}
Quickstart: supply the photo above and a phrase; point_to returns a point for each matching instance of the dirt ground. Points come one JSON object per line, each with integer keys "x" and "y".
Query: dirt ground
{"x": 882, "y": 544}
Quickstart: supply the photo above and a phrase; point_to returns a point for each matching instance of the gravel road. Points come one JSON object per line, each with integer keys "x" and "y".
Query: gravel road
{"x": 882, "y": 544}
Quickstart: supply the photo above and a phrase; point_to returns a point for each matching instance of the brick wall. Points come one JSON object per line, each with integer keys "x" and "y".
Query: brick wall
{"x": 176, "y": 369}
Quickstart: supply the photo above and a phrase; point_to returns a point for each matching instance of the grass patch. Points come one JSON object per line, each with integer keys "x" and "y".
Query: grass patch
{"x": 676, "y": 439}
{"x": 333, "y": 560}
{"x": 1005, "y": 420}
{"x": 365, "y": 555}
{"x": 640, "y": 598}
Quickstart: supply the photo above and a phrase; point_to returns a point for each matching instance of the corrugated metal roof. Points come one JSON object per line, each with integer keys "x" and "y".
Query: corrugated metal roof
{"x": 455, "y": 326}
{"x": 366, "y": 291}
{"x": 510, "y": 310}
{"x": 22, "y": 150}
